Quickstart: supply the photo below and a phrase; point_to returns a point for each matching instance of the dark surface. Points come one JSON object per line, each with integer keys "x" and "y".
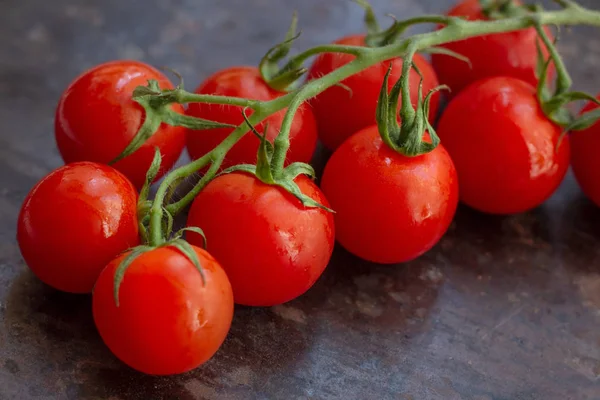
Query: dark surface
{"x": 502, "y": 308}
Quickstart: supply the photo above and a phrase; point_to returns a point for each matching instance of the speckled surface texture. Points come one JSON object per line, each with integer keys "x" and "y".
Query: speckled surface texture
{"x": 501, "y": 309}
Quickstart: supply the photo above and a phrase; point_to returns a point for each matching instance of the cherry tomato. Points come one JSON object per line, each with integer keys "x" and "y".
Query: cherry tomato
{"x": 503, "y": 146}
{"x": 96, "y": 119}
{"x": 246, "y": 82}
{"x": 507, "y": 54}
{"x": 584, "y": 160}
{"x": 168, "y": 320}
{"x": 74, "y": 222}
{"x": 340, "y": 113}
{"x": 389, "y": 208}
{"x": 271, "y": 246}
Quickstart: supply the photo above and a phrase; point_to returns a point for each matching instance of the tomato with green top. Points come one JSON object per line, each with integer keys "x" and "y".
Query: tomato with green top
{"x": 169, "y": 319}
{"x": 344, "y": 109}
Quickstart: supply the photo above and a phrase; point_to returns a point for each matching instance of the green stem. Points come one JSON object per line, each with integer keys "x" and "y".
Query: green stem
{"x": 563, "y": 80}
{"x": 181, "y": 96}
{"x": 455, "y": 30}
{"x": 215, "y": 156}
{"x": 299, "y": 58}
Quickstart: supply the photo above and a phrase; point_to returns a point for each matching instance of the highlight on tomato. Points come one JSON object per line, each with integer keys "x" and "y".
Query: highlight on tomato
{"x": 272, "y": 247}
{"x": 170, "y": 318}
{"x": 247, "y": 82}
{"x": 389, "y": 208}
{"x": 512, "y": 54}
{"x": 96, "y": 119}
{"x": 505, "y": 149}
{"x": 344, "y": 109}
{"x": 75, "y": 221}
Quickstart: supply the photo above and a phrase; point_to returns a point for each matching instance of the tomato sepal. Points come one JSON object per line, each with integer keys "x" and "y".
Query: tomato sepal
{"x": 406, "y": 138}
{"x": 194, "y": 229}
{"x": 183, "y": 246}
{"x": 157, "y": 110}
{"x": 282, "y": 79}
{"x": 122, "y": 268}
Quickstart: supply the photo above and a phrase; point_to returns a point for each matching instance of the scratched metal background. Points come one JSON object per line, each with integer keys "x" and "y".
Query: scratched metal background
{"x": 501, "y": 309}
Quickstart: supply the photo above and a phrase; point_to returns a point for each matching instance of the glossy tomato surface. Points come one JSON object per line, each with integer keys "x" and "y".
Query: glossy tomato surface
{"x": 168, "y": 320}
{"x": 74, "y": 222}
{"x": 245, "y": 81}
{"x": 503, "y": 146}
{"x": 389, "y": 208}
{"x": 584, "y": 158}
{"x": 340, "y": 113}
{"x": 507, "y": 54}
{"x": 271, "y": 246}
{"x": 96, "y": 119}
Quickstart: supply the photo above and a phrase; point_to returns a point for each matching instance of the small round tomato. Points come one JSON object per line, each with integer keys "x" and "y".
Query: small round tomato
{"x": 168, "y": 320}
{"x": 507, "y": 54}
{"x": 584, "y": 160}
{"x": 74, "y": 222}
{"x": 271, "y": 246}
{"x": 389, "y": 208}
{"x": 96, "y": 119}
{"x": 247, "y": 82}
{"x": 503, "y": 146}
{"x": 340, "y": 112}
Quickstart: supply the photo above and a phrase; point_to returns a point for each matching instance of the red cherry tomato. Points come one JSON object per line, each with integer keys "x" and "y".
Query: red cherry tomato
{"x": 340, "y": 113}
{"x": 74, "y": 222}
{"x": 584, "y": 160}
{"x": 503, "y": 146}
{"x": 168, "y": 320}
{"x": 246, "y": 82}
{"x": 271, "y": 246}
{"x": 507, "y": 54}
{"x": 96, "y": 119}
{"x": 389, "y": 208}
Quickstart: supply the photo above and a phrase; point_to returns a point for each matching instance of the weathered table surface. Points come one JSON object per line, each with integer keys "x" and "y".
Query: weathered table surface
{"x": 502, "y": 308}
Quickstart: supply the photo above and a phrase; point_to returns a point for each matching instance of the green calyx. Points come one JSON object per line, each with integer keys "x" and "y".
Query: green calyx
{"x": 406, "y": 138}
{"x": 177, "y": 242}
{"x": 379, "y": 38}
{"x": 157, "y": 105}
{"x": 267, "y": 171}
{"x": 554, "y": 103}
{"x": 284, "y": 78}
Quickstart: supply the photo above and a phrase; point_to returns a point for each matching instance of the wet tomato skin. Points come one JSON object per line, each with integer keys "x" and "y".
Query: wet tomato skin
{"x": 389, "y": 208}
{"x": 340, "y": 113}
{"x": 584, "y": 157}
{"x": 503, "y": 146}
{"x": 246, "y": 81}
{"x": 168, "y": 320}
{"x": 502, "y": 54}
{"x": 280, "y": 247}
{"x": 96, "y": 119}
{"x": 74, "y": 222}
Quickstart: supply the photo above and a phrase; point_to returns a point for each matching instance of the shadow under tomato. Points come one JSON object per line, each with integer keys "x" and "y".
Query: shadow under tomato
{"x": 365, "y": 297}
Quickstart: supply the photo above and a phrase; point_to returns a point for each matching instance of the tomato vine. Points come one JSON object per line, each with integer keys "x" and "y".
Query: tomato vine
{"x": 406, "y": 139}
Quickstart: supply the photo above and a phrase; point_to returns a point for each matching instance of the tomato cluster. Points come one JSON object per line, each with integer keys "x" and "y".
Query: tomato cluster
{"x": 499, "y": 153}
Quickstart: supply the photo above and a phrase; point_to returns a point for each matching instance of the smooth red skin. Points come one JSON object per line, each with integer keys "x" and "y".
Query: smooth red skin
{"x": 584, "y": 157}
{"x": 272, "y": 248}
{"x": 389, "y": 208}
{"x": 74, "y": 222}
{"x": 96, "y": 119}
{"x": 503, "y": 146}
{"x": 503, "y": 54}
{"x": 340, "y": 114}
{"x": 168, "y": 321}
{"x": 246, "y": 82}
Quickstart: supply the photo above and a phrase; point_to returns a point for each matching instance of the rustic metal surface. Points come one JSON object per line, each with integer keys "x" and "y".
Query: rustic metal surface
{"x": 502, "y": 308}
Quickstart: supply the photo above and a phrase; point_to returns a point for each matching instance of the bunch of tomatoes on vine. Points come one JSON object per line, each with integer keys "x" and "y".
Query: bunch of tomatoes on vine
{"x": 259, "y": 230}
